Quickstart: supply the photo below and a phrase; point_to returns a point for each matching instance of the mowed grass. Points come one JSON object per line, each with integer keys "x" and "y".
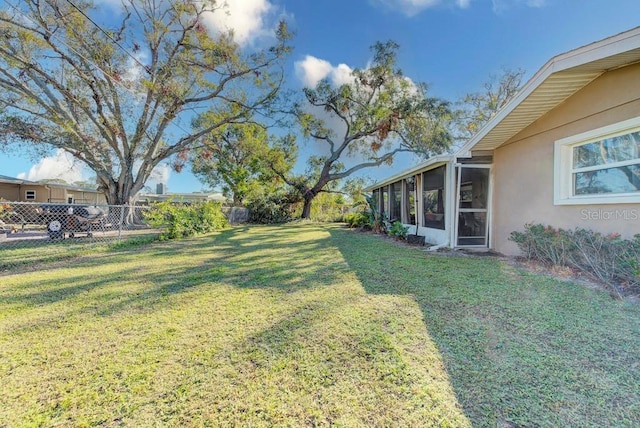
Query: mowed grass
{"x": 309, "y": 325}
{"x": 253, "y": 326}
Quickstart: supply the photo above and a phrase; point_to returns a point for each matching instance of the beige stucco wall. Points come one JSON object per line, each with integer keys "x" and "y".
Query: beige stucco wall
{"x": 523, "y": 167}
{"x": 44, "y": 194}
{"x": 16, "y": 192}
{"x": 9, "y": 191}
{"x": 57, "y": 195}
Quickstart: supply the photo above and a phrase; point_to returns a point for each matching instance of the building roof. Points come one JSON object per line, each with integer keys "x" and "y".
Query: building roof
{"x": 557, "y": 80}
{"x": 430, "y": 163}
{"x": 561, "y": 77}
{"x": 185, "y": 197}
{"x": 13, "y": 180}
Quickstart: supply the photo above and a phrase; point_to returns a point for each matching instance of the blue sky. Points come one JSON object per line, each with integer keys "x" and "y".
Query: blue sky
{"x": 453, "y": 45}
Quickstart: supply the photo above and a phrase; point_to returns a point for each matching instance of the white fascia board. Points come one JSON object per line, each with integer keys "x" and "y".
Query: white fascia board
{"x": 611, "y": 46}
{"x": 527, "y": 89}
{"x": 11, "y": 180}
{"x": 4, "y": 181}
{"x": 431, "y": 162}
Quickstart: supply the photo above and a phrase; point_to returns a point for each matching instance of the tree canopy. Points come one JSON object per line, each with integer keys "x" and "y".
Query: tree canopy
{"x": 235, "y": 159}
{"x": 477, "y": 108}
{"x": 366, "y": 122}
{"x": 119, "y": 96}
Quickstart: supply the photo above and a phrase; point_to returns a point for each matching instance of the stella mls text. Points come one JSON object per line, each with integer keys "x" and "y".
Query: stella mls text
{"x": 624, "y": 214}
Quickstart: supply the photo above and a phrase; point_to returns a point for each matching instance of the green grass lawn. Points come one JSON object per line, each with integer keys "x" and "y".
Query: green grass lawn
{"x": 308, "y": 325}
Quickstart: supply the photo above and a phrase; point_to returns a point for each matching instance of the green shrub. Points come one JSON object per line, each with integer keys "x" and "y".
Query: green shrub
{"x": 544, "y": 243}
{"x": 609, "y": 258}
{"x": 181, "y": 220}
{"x": 270, "y": 209}
{"x": 377, "y": 220}
{"x": 326, "y": 208}
{"x": 358, "y": 219}
{"x": 398, "y": 230}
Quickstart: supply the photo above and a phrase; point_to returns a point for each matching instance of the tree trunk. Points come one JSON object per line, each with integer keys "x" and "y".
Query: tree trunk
{"x": 116, "y": 198}
{"x": 306, "y": 208}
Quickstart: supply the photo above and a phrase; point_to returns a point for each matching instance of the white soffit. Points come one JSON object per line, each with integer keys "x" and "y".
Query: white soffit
{"x": 556, "y": 81}
{"x": 430, "y": 163}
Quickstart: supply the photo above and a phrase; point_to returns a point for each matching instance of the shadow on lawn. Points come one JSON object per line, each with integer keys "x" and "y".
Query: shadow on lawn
{"x": 262, "y": 258}
{"x": 520, "y": 350}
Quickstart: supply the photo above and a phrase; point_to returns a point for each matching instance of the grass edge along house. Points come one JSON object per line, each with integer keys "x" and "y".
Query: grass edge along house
{"x": 565, "y": 151}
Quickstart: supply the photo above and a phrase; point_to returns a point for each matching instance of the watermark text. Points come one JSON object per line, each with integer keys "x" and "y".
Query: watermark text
{"x": 629, "y": 214}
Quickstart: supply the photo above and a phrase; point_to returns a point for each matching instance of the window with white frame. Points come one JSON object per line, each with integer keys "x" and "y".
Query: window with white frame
{"x": 30, "y": 195}
{"x": 600, "y": 166}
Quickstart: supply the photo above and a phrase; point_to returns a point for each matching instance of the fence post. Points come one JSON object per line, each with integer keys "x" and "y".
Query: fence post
{"x": 121, "y": 221}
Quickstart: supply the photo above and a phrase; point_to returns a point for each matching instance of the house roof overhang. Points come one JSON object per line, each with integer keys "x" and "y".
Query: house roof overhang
{"x": 557, "y": 80}
{"x": 430, "y": 163}
{"x": 10, "y": 180}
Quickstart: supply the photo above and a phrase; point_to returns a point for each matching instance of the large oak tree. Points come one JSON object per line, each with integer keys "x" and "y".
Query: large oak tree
{"x": 371, "y": 119}
{"x": 119, "y": 94}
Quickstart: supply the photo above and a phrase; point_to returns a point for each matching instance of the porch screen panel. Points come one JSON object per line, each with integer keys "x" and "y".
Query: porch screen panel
{"x": 473, "y": 207}
{"x": 433, "y": 197}
{"x": 409, "y": 201}
{"x": 384, "y": 208}
{"x": 395, "y": 210}
{"x": 375, "y": 196}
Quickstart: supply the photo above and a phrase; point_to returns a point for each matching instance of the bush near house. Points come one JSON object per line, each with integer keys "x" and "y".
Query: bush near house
{"x": 326, "y": 208}
{"x": 398, "y": 230}
{"x": 357, "y": 219}
{"x": 609, "y": 258}
{"x": 270, "y": 208}
{"x": 181, "y": 221}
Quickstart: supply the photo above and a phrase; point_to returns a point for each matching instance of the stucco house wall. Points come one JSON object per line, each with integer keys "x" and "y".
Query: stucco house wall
{"x": 9, "y": 191}
{"x": 15, "y": 190}
{"x": 523, "y": 177}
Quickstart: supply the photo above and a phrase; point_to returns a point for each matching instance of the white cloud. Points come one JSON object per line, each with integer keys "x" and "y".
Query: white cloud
{"x": 160, "y": 174}
{"x": 135, "y": 69}
{"x": 60, "y": 166}
{"x": 342, "y": 74}
{"x": 248, "y": 19}
{"x": 503, "y": 5}
{"x": 412, "y": 7}
{"x": 311, "y": 70}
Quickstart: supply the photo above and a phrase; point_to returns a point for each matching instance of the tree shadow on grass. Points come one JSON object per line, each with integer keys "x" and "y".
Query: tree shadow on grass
{"x": 267, "y": 257}
{"x": 520, "y": 350}
{"x": 320, "y": 334}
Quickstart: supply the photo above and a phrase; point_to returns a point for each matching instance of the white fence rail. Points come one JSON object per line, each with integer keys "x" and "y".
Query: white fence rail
{"x": 32, "y": 224}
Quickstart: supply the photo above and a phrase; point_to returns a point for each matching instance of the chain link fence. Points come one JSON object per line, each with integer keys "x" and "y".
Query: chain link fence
{"x": 236, "y": 214}
{"x": 24, "y": 224}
